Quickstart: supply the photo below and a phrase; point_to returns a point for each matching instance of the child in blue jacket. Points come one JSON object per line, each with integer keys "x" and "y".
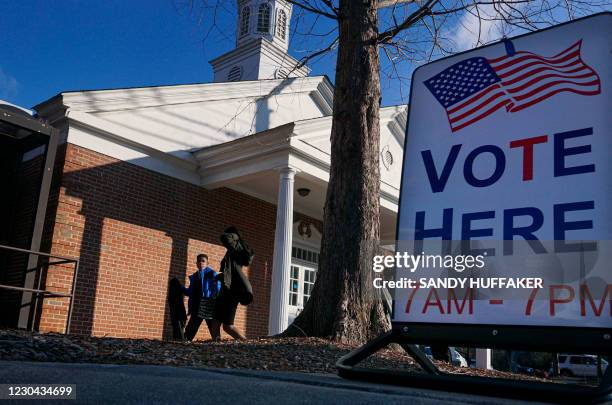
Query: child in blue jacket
{"x": 204, "y": 287}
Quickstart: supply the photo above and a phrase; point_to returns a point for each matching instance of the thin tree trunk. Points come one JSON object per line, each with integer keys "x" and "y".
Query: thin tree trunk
{"x": 344, "y": 304}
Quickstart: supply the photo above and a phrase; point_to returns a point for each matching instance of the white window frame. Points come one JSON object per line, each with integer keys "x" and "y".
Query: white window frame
{"x": 303, "y": 266}
{"x": 281, "y": 24}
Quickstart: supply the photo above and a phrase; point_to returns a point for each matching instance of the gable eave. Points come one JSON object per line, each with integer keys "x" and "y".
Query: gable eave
{"x": 142, "y": 97}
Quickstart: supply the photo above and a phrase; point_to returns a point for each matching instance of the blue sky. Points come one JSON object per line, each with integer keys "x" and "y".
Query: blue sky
{"x": 47, "y": 47}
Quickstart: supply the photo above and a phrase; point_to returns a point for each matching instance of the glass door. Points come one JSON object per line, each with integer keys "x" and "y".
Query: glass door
{"x": 301, "y": 279}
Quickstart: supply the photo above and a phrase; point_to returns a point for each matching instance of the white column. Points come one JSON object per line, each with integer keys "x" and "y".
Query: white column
{"x": 279, "y": 296}
{"x": 483, "y": 359}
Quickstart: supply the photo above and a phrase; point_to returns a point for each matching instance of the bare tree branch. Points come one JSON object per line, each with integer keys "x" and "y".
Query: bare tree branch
{"x": 313, "y": 55}
{"x": 411, "y": 19}
{"x": 331, "y": 6}
{"x": 389, "y": 3}
{"x": 308, "y": 7}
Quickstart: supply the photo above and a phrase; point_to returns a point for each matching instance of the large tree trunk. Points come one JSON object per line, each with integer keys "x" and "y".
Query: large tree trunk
{"x": 344, "y": 304}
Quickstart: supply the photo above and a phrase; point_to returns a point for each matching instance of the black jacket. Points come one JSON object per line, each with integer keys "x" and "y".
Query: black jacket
{"x": 175, "y": 300}
{"x": 238, "y": 254}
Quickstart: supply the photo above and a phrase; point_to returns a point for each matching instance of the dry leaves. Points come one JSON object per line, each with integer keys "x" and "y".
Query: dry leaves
{"x": 309, "y": 355}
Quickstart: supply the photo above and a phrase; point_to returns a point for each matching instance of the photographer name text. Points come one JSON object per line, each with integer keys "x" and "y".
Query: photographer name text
{"x": 457, "y": 263}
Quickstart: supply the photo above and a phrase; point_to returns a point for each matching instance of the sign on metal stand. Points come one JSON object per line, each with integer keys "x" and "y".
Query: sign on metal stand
{"x": 505, "y": 216}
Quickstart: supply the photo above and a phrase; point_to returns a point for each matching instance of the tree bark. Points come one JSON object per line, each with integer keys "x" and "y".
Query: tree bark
{"x": 344, "y": 304}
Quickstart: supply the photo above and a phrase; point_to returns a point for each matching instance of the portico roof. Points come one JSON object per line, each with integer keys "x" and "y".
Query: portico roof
{"x": 304, "y": 145}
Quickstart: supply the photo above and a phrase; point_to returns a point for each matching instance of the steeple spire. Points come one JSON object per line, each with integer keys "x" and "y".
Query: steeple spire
{"x": 262, "y": 43}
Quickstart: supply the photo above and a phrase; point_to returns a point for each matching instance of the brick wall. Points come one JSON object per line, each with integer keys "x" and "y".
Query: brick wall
{"x": 133, "y": 230}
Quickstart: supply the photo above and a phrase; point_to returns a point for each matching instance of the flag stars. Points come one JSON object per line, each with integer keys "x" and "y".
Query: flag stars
{"x": 461, "y": 80}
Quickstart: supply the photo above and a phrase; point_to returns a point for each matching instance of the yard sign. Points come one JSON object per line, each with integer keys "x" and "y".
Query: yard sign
{"x": 513, "y": 141}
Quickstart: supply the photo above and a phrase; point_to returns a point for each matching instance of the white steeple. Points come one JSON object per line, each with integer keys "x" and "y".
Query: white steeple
{"x": 262, "y": 42}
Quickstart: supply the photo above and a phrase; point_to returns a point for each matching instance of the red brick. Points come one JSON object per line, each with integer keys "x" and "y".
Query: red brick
{"x": 133, "y": 230}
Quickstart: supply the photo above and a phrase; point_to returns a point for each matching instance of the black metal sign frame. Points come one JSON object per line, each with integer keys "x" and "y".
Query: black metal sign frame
{"x": 433, "y": 378}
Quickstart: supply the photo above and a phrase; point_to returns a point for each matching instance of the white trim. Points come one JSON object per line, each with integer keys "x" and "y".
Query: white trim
{"x": 144, "y": 97}
{"x": 283, "y": 28}
{"x": 302, "y": 266}
{"x": 110, "y": 131}
{"x": 256, "y": 48}
{"x": 87, "y": 131}
{"x": 396, "y": 118}
{"x": 289, "y": 143}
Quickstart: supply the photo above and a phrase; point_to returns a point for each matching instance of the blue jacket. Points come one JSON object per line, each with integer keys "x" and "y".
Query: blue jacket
{"x": 201, "y": 287}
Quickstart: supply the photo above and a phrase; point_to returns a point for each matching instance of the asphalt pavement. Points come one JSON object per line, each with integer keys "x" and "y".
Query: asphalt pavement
{"x": 142, "y": 384}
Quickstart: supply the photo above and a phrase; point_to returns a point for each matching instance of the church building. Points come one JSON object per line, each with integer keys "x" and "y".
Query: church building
{"x": 148, "y": 178}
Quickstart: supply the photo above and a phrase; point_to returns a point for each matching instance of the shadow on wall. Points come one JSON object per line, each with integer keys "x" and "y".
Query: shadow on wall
{"x": 133, "y": 230}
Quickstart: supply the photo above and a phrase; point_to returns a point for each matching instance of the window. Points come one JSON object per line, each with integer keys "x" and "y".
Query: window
{"x": 301, "y": 282}
{"x": 263, "y": 18}
{"x": 309, "y": 279}
{"x": 305, "y": 255}
{"x": 235, "y": 74}
{"x": 302, "y": 277}
{"x": 294, "y": 286}
{"x": 244, "y": 21}
{"x": 281, "y": 25}
{"x": 576, "y": 360}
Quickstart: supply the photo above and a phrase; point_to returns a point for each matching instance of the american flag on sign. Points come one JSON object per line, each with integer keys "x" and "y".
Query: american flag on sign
{"x": 475, "y": 88}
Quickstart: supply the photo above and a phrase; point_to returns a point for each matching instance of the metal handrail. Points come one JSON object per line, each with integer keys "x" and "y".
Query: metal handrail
{"x": 46, "y": 293}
